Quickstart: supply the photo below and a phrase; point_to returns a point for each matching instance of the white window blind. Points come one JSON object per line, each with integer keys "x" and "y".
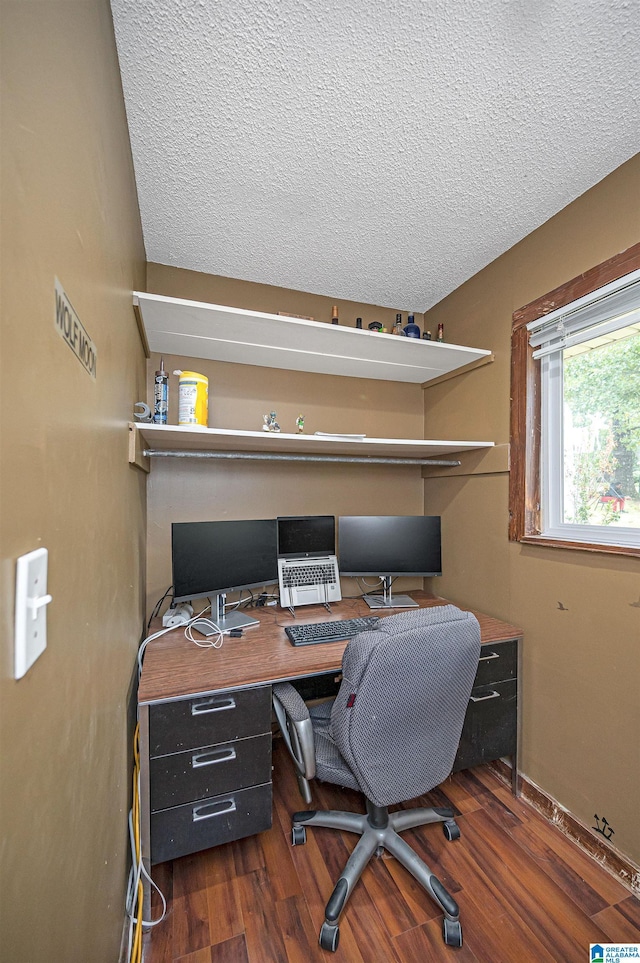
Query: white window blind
{"x": 604, "y": 310}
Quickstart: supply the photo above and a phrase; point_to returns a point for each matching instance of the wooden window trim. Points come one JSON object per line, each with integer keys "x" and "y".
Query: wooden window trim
{"x": 524, "y": 476}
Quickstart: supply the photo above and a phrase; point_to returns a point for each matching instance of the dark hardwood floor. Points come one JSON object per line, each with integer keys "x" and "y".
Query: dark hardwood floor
{"x": 526, "y": 892}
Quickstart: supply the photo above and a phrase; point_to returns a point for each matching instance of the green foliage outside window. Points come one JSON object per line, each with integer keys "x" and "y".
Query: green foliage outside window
{"x": 602, "y": 389}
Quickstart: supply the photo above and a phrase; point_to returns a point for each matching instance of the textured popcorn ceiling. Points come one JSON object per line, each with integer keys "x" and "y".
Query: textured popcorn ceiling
{"x": 375, "y": 150}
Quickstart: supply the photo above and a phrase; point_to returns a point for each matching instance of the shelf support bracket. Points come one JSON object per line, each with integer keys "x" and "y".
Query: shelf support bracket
{"x": 479, "y": 363}
{"x": 137, "y": 456}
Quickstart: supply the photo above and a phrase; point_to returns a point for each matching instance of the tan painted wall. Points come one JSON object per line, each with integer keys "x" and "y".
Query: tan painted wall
{"x": 581, "y": 664}
{"x": 239, "y": 395}
{"x": 69, "y": 209}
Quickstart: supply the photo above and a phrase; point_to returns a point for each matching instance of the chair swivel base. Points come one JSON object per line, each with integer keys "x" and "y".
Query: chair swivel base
{"x": 378, "y": 830}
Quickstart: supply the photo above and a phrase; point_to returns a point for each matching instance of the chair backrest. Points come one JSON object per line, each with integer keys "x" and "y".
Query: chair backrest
{"x": 400, "y": 709}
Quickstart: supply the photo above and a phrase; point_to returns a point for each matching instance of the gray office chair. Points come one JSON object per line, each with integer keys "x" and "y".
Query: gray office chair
{"x": 392, "y": 733}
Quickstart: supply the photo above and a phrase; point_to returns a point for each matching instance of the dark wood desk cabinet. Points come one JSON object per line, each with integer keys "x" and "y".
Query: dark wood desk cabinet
{"x": 205, "y": 724}
{"x": 209, "y": 771}
{"x": 491, "y": 724}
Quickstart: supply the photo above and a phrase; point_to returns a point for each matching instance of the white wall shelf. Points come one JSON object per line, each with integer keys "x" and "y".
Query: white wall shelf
{"x": 199, "y": 330}
{"x": 183, "y": 441}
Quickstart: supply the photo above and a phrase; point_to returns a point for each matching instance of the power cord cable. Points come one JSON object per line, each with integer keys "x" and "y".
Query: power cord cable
{"x": 135, "y": 888}
{"x": 209, "y": 643}
{"x": 158, "y": 606}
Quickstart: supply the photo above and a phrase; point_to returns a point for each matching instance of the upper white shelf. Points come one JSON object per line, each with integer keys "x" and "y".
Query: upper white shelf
{"x": 184, "y": 438}
{"x": 199, "y": 330}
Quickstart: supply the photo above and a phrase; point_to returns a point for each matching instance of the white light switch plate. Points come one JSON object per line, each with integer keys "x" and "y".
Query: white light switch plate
{"x": 31, "y": 609}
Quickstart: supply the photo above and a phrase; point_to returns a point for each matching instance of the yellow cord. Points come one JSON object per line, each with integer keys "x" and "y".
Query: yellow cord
{"x": 136, "y": 948}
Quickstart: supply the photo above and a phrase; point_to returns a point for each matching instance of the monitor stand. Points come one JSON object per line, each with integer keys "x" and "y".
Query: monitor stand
{"x": 226, "y": 620}
{"x": 389, "y": 601}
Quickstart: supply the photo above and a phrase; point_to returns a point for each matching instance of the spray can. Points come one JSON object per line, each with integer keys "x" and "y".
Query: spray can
{"x": 160, "y": 395}
{"x": 193, "y": 398}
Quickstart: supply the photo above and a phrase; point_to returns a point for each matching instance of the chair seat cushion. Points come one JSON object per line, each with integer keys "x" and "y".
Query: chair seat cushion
{"x": 330, "y": 766}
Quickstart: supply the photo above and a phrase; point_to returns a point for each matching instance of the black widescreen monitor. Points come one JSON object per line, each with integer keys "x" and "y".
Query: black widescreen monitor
{"x": 210, "y": 559}
{"x": 388, "y": 546}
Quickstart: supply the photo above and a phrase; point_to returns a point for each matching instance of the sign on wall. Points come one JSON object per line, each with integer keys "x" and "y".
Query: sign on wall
{"x": 71, "y": 329}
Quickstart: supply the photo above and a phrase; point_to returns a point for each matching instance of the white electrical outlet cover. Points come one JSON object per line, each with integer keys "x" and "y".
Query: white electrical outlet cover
{"x": 31, "y": 609}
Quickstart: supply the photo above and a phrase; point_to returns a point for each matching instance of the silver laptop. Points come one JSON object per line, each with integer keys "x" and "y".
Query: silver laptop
{"x": 307, "y": 565}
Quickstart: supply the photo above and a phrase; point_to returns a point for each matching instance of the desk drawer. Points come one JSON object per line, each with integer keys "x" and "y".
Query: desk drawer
{"x": 490, "y": 726}
{"x": 209, "y": 822}
{"x": 498, "y": 662}
{"x": 201, "y": 773}
{"x": 207, "y": 720}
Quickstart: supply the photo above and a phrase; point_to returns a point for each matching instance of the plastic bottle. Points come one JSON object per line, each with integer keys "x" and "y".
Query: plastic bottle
{"x": 160, "y": 395}
{"x": 440, "y": 335}
{"x": 193, "y": 399}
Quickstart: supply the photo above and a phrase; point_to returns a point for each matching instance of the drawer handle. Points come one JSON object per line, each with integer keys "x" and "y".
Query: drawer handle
{"x": 489, "y": 658}
{"x": 213, "y": 809}
{"x": 212, "y": 757}
{"x": 492, "y": 695}
{"x": 212, "y": 705}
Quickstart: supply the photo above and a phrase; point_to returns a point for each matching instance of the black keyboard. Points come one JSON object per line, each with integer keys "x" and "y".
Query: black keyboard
{"x": 313, "y": 632}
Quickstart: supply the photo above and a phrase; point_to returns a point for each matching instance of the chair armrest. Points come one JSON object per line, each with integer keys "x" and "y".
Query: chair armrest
{"x": 296, "y": 727}
{"x": 291, "y": 700}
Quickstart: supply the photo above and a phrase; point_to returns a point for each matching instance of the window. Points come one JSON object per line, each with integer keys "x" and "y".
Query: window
{"x": 575, "y": 420}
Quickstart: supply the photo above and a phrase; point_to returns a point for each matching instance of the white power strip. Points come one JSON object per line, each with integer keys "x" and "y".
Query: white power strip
{"x": 177, "y": 615}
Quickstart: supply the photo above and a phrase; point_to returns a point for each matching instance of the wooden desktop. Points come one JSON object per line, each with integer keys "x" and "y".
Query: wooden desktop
{"x": 205, "y": 721}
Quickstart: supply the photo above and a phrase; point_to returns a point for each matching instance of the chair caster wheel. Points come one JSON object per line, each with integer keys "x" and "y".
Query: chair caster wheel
{"x": 298, "y": 836}
{"x": 451, "y": 932}
{"x": 329, "y": 937}
{"x": 451, "y": 829}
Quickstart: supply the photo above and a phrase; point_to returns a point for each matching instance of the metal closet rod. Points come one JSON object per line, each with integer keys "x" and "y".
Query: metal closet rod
{"x": 284, "y": 456}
